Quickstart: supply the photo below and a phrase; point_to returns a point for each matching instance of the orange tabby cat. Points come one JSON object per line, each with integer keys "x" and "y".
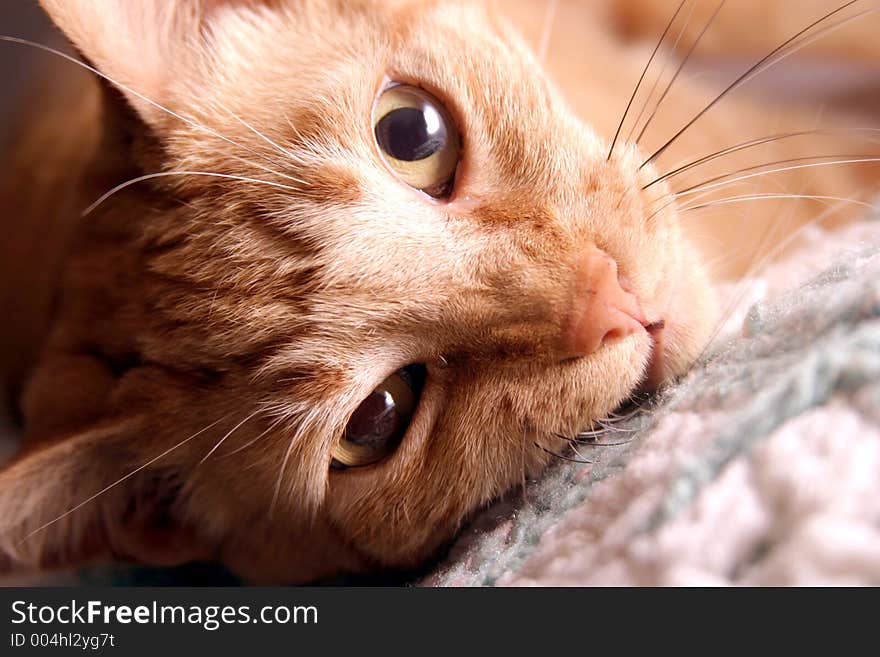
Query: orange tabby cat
{"x": 359, "y": 263}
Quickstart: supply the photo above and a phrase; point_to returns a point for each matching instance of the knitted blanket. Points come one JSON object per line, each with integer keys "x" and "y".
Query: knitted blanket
{"x": 762, "y": 467}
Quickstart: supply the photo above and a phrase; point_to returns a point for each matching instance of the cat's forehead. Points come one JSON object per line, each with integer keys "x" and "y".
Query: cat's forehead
{"x": 458, "y": 48}
{"x": 493, "y": 84}
{"x": 298, "y": 68}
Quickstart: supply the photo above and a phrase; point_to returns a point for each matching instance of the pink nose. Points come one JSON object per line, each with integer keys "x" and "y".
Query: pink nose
{"x": 603, "y": 308}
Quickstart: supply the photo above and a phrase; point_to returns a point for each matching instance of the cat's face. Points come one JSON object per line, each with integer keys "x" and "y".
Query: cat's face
{"x": 266, "y": 315}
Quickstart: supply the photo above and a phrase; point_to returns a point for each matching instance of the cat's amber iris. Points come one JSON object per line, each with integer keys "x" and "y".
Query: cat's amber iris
{"x": 380, "y": 421}
{"x": 417, "y": 139}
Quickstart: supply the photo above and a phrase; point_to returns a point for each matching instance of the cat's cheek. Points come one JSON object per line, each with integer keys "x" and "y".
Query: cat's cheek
{"x": 366, "y": 504}
{"x": 466, "y": 447}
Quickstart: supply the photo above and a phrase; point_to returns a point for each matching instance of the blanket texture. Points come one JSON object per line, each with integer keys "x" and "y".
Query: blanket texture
{"x": 762, "y": 467}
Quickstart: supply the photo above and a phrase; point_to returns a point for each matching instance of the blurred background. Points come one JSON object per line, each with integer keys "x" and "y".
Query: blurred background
{"x": 19, "y": 64}
{"x": 19, "y": 67}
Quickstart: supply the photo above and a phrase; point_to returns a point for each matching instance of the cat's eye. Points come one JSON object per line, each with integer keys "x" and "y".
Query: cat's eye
{"x": 379, "y": 423}
{"x": 417, "y": 139}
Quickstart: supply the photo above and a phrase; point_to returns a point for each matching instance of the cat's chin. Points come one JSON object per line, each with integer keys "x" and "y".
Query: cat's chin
{"x": 690, "y": 315}
{"x": 592, "y": 394}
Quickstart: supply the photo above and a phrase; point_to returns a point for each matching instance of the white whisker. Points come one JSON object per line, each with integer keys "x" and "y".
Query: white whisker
{"x": 759, "y": 264}
{"x": 547, "y": 29}
{"x": 121, "y": 479}
{"x": 283, "y": 151}
{"x": 188, "y": 121}
{"x": 758, "y": 197}
{"x": 162, "y": 174}
{"x": 642, "y": 78}
{"x": 268, "y": 429}
{"x": 263, "y": 167}
{"x": 227, "y": 435}
{"x": 752, "y": 143}
{"x": 277, "y": 491}
{"x": 709, "y": 187}
{"x": 671, "y": 199}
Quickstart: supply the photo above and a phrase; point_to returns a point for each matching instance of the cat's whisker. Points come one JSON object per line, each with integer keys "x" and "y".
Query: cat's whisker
{"x": 685, "y": 165}
{"x": 609, "y": 426}
{"x": 280, "y": 480}
{"x": 719, "y": 263}
{"x": 659, "y": 77}
{"x": 733, "y": 303}
{"x": 795, "y": 235}
{"x": 547, "y": 29}
{"x": 574, "y": 448}
{"x": 788, "y": 48}
{"x": 752, "y": 143}
{"x": 227, "y": 435}
{"x": 758, "y": 197}
{"x": 681, "y": 66}
{"x": 253, "y": 441}
{"x": 639, "y": 395}
{"x": 671, "y": 200}
{"x": 705, "y": 183}
{"x": 275, "y": 172}
{"x": 614, "y": 417}
{"x": 162, "y": 174}
{"x": 754, "y": 264}
{"x": 582, "y": 461}
{"x": 122, "y": 479}
{"x": 283, "y": 151}
{"x": 758, "y": 265}
{"x": 614, "y": 429}
{"x": 188, "y": 121}
{"x": 710, "y": 185}
{"x": 592, "y": 434}
{"x": 583, "y": 436}
{"x": 595, "y": 443}
{"x": 642, "y": 78}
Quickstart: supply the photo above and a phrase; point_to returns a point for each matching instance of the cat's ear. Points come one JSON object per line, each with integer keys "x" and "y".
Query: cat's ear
{"x": 140, "y": 45}
{"x": 82, "y": 500}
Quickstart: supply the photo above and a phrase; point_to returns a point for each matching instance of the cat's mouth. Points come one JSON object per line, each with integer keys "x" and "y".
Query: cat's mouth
{"x": 656, "y": 370}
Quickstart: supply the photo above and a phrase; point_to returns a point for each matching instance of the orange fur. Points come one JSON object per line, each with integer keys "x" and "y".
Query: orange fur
{"x": 197, "y": 312}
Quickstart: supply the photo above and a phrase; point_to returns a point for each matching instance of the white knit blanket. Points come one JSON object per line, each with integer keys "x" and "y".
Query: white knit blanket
{"x": 762, "y": 467}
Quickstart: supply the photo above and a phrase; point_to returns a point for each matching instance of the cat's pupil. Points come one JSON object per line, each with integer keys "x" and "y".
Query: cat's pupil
{"x": 381, "y": 420}
{"x": 411, "y": 134}
{"x": 375, "y": 421}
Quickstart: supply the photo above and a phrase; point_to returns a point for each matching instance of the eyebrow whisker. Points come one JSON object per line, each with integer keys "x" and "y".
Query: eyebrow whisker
{"x": 162, "y": 174}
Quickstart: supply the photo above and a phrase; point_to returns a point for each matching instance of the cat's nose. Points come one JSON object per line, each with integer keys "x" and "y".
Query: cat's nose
{"x": 604, "y": 307}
